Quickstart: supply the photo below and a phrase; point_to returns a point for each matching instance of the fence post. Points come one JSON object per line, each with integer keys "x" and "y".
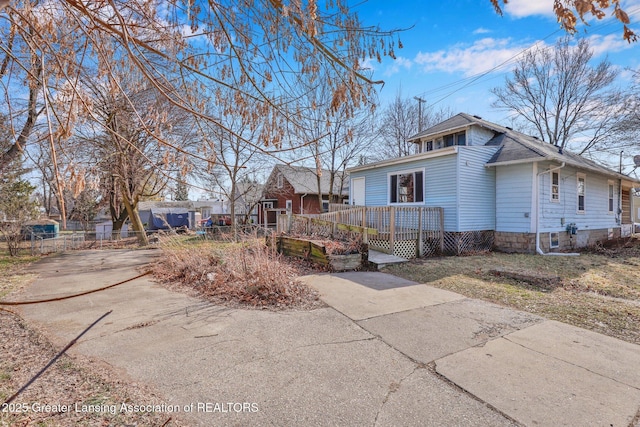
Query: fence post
{"x": 420, "y": 231}
{"x": 441, "y": 217}
{"x": 365, "y": 235}
{"x": 392, "y": 229}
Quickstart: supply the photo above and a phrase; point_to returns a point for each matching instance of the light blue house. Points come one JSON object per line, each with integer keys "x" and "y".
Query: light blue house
{"x": 501, "y": 188}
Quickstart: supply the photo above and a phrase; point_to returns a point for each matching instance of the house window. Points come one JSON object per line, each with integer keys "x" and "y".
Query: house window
{"x": 280, "y": 180}
{"x": 461, "y": 138}
{"x": 429, "y": 146}
{"x": 611, "y": 193}
{"x": 555, "y": 186}
{"x": 554, "y": 240}
{"x": 267, "y": 205}
{"x": 581, "y": 187}
{"x": 406, "y": 187}
{"x": 449, "y": 140}
{"x": 325, "y": 205}
{"x": 289, "y": 205}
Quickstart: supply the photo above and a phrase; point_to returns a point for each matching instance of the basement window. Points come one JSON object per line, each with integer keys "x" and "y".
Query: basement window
{"x": 554, "y": 240}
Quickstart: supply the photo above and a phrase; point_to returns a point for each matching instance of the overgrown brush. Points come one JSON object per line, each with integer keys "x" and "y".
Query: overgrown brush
{"x": 248, "y": 273}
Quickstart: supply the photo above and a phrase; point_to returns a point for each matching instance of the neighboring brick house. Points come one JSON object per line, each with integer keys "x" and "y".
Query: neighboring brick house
{"x": 294, "y": 189}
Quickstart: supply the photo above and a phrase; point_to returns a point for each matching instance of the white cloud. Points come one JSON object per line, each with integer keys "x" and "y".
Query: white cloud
{"x": 601, "y": 45}
{"x": 398, "y": 65}
{"x": 481, "y": 56}
{"x": 524, "y": 8}
{"x": 481, "y": 30}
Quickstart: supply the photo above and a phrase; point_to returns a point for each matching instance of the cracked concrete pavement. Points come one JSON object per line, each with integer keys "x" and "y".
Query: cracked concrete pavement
{"x": 384, "y": 352}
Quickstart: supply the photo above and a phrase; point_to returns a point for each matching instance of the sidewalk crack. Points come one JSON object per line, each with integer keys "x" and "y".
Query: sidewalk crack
{"x": 394, "y": 387}
{"x": 506, "y": 337}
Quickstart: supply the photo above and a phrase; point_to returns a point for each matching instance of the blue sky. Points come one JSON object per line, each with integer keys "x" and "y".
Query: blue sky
{"x": 449, "y": 54}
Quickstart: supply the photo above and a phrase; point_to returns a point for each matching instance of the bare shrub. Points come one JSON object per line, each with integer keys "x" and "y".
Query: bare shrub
{"x": 247, "y": 273}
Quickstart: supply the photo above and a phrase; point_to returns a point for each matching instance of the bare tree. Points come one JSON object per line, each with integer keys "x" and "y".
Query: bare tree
{"x": 400, "y": 120}
{"x": 562, "y": 98}
{"x": 236, "y": 160}
{"x": 134, "y": 165}
{"x": 233, "y": 45}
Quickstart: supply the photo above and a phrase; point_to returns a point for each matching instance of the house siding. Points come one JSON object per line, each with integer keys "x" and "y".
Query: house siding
{"x": 514, "y": 186}
{"x": 477, "y": 189}
{"x": 440, "y": 183}
{"x": 555, "y": 216}
{"x": 477, "y": 135}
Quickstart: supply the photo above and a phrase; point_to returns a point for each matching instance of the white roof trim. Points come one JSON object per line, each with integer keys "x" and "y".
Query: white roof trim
{"x": 404, "y": 159}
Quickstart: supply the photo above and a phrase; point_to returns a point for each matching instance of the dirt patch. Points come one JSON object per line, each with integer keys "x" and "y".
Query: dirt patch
{"x": 77, "y": 391}
{"x": 532, "y": 279}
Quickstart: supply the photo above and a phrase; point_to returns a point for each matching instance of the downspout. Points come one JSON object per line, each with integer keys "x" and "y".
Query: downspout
{"x": 302, "y": 203}
{"x": 537, "y": 198}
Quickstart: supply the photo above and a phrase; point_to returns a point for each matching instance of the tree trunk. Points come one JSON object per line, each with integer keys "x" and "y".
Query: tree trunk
{"x": 134, "y": 216}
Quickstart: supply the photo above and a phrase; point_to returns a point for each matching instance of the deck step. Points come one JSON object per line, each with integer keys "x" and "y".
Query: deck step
{"x": 381, "y": 259}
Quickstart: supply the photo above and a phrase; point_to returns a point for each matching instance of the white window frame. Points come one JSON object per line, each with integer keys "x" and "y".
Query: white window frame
{"x": 289, "y": 206}
{"x": 267, "y": 205}
{"x": 551, "y": 239}
{"x": 556, "y": 186}
{"x": 429, "y": 145}
{"x": 280, "y": 180}
{"x": 582, "y": 176}
{"x": 611, "y": 197}
{"x": 324, "y": 204}
{"x": 406, "y": 172}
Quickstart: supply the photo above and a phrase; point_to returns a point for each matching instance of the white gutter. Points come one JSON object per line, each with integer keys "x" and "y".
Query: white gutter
{"x": 302, "y": 204}
{"x": 537, "y": 198}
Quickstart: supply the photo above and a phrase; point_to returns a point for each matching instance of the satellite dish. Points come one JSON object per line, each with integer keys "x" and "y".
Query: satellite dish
{"x": 636, "y": 160}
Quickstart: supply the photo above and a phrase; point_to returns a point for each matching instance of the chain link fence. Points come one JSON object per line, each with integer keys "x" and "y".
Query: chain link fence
{"x": 38, "y": 244}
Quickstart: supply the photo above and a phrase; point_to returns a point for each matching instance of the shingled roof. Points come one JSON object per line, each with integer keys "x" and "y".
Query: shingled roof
{"x": 516, "y": 147}
{"x": 304, "y": 180}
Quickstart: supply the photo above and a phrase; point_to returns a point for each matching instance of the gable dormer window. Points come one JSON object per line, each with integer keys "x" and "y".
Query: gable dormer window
{"x": 280, "y": 180}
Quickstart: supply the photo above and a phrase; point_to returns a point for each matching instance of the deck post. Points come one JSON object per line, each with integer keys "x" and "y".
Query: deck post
{"x": 365, "y": 234}
{"x": 392, "y": 228}
{"x": 419, "y": 242}
{"x": 441, "y": 215}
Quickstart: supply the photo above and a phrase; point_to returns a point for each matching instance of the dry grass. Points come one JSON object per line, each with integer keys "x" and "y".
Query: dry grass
{"x": 599, "y": 290}
{"x": 247, "y": 273}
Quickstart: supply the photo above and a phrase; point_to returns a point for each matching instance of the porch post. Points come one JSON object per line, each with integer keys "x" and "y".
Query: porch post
{"x": 419, "y": 242}
{"x": 365, "y": 234}
{"x": 392, "y": 228}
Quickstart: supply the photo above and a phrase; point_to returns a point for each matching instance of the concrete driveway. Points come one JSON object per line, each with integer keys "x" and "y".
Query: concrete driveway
{"x": 384, "y": 352}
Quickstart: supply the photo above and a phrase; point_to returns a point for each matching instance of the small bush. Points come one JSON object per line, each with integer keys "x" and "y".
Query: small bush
{"x": 247, "y": 273}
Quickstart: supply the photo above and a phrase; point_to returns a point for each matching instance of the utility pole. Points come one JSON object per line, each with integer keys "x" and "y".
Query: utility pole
{"x": 420, "y": 101}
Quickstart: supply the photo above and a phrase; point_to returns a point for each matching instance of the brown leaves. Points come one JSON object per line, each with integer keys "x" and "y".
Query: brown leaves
{"x": 568, "y": 12}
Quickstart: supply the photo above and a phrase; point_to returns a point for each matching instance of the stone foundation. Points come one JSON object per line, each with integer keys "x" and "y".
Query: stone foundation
{"x": 526, "y": 242}
{"x": 514, "y": 242}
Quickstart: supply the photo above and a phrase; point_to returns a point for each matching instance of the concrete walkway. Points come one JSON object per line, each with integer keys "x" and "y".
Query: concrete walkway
{"x": 535, "y": 371}
{"x": 386, "y": 352}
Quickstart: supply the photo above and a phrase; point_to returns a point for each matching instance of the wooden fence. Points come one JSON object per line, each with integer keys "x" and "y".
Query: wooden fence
{"x": 402, "y": 231}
